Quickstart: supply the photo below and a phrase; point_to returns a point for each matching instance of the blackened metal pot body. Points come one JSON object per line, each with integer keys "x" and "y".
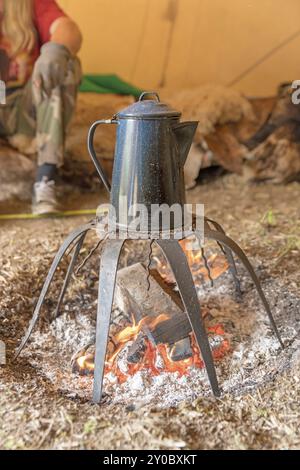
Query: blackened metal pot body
{"x": 151, "y": 149}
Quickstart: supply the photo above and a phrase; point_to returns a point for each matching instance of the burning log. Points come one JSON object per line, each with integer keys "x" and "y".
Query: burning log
{"x": 150, "y": 301}
{"x": 153, "y": 335}
{"x": 158, "y": 314}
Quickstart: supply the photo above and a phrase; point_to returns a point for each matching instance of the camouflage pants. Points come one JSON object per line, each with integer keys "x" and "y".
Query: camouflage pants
{"x": 31, "y": 113}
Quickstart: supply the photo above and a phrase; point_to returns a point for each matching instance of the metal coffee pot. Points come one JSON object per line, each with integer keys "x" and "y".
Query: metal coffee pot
{"x": 150, "y": 153}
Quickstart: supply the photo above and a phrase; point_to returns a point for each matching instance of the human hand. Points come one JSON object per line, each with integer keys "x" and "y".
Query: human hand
{"x": 51, "y": 67}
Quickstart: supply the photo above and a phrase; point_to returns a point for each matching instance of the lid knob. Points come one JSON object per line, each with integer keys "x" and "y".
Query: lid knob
{"x": 148, "y": 106}
{"x": 149, "y": 93}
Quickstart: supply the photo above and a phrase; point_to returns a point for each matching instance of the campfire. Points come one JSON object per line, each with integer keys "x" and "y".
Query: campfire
{"x": 160, "y": 336}
{"x": 245, "y": 352}
{"x": 135, "y": 347}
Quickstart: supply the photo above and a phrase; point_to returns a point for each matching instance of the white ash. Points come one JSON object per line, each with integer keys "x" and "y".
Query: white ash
{"x": 215, "y": 341}
{"x": 159, "y": 363}
{"x": 255, "y": 357}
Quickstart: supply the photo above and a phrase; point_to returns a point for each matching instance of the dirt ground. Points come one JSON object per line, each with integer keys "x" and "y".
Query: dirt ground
{"x": 35, "y": 415}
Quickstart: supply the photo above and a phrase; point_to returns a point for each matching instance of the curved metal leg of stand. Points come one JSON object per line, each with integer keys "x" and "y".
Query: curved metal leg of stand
{"x": 226, "y": 241}
{"x": 179, "y": 265}
{"x": 107, "y": 279}
{"x": 228, "y": 253}
{"x": 69, "y": 240}
{"x": 76, "y": 251}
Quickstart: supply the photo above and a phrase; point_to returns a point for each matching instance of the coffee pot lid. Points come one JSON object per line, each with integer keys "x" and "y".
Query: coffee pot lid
{"x": 148, "y": 109}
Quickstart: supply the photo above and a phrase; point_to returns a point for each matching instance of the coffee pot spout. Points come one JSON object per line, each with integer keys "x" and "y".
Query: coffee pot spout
{"x": 184, "y": 133}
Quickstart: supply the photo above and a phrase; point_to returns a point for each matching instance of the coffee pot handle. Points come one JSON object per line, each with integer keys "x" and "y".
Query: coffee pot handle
{"x": 90, "y": 144}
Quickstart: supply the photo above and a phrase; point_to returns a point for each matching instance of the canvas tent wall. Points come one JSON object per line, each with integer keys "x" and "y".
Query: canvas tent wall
{"x": 182, "y": 43}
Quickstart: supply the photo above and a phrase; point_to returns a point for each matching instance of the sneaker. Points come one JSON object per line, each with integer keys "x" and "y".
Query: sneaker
{"x": 44, "y": 198}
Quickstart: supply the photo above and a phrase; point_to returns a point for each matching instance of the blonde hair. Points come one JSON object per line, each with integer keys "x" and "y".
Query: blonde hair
{"x": 17, "y": 24}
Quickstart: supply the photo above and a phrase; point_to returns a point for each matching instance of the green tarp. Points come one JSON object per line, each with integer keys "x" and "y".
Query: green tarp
{"x": 108, "y": 84}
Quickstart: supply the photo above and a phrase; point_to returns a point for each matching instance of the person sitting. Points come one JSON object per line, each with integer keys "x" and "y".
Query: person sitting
{"x": 38, "y": 64}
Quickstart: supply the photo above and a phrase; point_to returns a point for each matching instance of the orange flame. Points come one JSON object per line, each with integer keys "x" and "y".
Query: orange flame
{"x": 130, "y": 333}
{"x": 217, "y": 265}
{"x": 86, "y": 363}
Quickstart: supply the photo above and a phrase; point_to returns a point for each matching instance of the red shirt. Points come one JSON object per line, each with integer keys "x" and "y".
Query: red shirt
{"x": 17, "y": 70}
